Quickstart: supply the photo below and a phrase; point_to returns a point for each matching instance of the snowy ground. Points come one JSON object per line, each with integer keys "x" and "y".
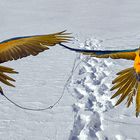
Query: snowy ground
{"x": 85, "y": 112}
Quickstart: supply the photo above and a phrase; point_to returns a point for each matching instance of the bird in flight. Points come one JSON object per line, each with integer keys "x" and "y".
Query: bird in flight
{"x": 127, "y": 83}
{"x": 19, "y": 47}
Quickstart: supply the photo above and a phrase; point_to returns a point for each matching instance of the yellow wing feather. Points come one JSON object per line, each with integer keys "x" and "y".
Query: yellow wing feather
{"x": 125, "y": 71}
{"x": 125, "y": 82}
{"x": 127, "y": 90}
{"x": 121, "y": 77}
{"x": 119, "y": 55}
{"x": 132, "y": 94}
{"x": 122, "y": 82}
{"x": 138, "y": 100}
{"x": 5, "y": 78}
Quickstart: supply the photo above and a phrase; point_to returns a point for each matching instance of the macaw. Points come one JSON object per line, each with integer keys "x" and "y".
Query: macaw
{"x": 19, "y": 47}
{"x": 127, "y": 83}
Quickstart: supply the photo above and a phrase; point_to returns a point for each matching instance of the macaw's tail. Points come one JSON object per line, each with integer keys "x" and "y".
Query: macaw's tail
{"x": 4, "y": 78}
{"x": 128, "y": 85}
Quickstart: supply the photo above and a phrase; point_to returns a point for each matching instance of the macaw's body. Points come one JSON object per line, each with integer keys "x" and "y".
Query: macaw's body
{"x": 137, "y": 62}
{"x": 19, "y": 47}
{"x": 127, "y": 83}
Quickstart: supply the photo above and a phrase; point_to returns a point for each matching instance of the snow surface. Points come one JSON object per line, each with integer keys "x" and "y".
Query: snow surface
{"x": 86, "y": 111}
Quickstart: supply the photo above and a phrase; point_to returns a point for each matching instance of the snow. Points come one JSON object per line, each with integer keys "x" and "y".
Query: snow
{"x": 86, "y": 111}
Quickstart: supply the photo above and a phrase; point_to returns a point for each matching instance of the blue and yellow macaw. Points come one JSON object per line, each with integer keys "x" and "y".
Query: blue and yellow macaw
{"x": 19, "y": 47}
{"x": 128, "y": 81}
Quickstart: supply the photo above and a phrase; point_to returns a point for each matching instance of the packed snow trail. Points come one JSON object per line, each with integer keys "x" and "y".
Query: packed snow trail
{"x": 91, "y": 91}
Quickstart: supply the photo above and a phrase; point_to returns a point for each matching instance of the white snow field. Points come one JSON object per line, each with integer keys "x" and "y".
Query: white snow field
{"x": 85, "y": 111}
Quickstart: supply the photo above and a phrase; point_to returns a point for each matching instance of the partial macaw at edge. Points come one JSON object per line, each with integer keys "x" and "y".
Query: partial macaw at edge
{"x": 128, "y": 81}
{"x": 19, "y": 47}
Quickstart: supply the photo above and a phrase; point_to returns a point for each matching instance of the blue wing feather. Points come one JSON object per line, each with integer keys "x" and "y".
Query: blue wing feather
{"x": 14, "y": 38}
{"x": 98, "y": 52}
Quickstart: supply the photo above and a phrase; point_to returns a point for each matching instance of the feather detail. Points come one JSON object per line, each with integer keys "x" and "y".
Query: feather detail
{"x": 126, "y": 82}
{"x": 128, "y": 85}
{"x": 124, "y": 71}
{"x": 122, "y": 88}
{"x": 5, "y": 78}
{"x": 122, "y": 82}
{"x": 132, "y": 94}
{"x": 127, "y": 90}
{"x": 122, "y": 75}
{"x": 138, "y": 100}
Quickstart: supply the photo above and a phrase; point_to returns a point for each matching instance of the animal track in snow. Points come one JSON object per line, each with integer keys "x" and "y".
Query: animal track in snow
{"x": 90, "y": 88}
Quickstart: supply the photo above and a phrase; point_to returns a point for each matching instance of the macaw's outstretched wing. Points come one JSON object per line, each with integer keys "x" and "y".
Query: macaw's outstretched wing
{"x": 19, "y": 47}
{"x": 127, "y": 85}
{"x": 114, "y": 54}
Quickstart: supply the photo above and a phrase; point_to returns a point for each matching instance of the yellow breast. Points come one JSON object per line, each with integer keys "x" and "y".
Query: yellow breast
{"x": 137, "y": 62}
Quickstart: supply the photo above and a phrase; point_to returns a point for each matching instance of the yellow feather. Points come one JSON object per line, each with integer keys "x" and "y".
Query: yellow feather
{"x": 125, "y": 70}
{"x": 116, "y": 55}
{"x": 138, "y": 100}
{"x": 4, "y": 78}
{"x": 127, "y": 91}
{"x": 131, "y": 94}
{"x": 123, "y": 75}
{"x": 121, "y": 83}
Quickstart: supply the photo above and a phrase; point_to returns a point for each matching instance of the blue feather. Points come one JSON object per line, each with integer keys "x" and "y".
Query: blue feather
{"x": 14, "y": 38}
{"x": 98, "y": 52}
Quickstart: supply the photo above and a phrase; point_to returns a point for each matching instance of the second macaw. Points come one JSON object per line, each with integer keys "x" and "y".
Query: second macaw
{"x": 128, "y": 81}
{"x": 19, "y": 47}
